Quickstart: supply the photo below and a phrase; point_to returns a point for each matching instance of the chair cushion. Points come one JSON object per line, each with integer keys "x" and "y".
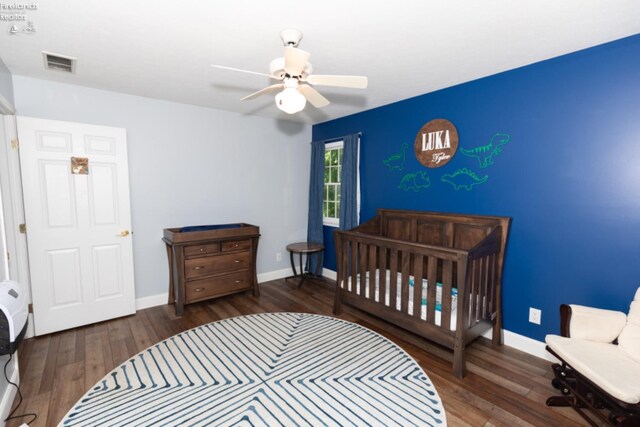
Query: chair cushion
{"x": 596, "y": 324}
{"x": 604, "y": 364}
{"x": 629, "y": 339}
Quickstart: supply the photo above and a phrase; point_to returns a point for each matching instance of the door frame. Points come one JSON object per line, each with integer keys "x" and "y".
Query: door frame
{"x": 16, "y": 242}
{"x": 12, "y": 202}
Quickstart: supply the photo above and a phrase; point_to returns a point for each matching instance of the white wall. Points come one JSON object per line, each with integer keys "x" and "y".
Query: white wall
{"x": 191, "y": 165}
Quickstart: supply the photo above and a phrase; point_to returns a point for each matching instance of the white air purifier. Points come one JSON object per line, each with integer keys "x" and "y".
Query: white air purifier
{"x": 14, "y": 312}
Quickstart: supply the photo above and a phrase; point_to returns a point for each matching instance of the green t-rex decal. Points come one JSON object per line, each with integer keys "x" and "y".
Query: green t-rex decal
{"x": 485, "y": 153}
{"x": 464, "y": 178}
{"x": 415, "y": 181}
{"x": 396, "y": 161}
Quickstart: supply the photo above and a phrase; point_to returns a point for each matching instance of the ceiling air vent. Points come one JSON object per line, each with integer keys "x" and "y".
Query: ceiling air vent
{"x": 53, "y": 61}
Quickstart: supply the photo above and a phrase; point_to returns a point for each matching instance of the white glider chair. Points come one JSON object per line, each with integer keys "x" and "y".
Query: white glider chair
{"x": 599, "y": 373}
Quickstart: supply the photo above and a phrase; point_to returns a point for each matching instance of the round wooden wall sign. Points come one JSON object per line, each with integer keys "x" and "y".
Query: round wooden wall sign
{"x": 436, "y": 143}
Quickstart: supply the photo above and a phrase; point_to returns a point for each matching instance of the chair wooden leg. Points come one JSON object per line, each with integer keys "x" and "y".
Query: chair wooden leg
{"x": 561, "y": 401}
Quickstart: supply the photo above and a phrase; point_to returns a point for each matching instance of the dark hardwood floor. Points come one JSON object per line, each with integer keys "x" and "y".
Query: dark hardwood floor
{"x": 504, "y": 387}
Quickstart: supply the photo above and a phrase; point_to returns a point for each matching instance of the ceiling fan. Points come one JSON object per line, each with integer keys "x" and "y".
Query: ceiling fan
{"x": 293, "y": 70}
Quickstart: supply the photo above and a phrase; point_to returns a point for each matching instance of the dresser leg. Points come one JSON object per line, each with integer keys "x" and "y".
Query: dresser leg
{"x": 256, "y": 286}
{"x": 179, "y": 308}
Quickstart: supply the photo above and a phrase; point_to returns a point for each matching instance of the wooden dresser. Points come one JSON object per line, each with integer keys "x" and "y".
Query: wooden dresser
{"x": 211, "y": 261}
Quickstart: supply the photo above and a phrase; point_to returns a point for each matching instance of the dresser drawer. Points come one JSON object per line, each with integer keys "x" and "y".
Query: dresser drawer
{"x": 201, "y": 250}
{"x": 236, "y": 245}
{"x": 206, "y": 266}
{"x": 216, "y": 286}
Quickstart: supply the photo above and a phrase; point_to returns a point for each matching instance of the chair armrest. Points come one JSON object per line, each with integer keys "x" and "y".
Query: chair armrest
{"x": 592, "y": 324}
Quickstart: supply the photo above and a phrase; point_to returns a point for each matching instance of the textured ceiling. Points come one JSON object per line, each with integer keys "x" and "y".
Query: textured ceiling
{"x": 163, "y": 49}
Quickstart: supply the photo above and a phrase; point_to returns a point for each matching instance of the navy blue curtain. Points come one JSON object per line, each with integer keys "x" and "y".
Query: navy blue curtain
{"x": 316, "y": 188}
{"x": 349, "y": 183}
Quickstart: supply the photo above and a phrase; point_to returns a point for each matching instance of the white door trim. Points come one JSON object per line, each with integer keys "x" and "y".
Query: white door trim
{"x": 11, "y": 182}
{"x": 6, "y": 107}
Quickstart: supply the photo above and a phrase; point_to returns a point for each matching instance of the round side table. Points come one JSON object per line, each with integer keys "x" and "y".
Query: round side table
{"x": 301, "y": 248}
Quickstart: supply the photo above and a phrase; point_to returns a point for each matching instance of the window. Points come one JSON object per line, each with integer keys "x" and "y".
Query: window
{"x": 331, "y": 195}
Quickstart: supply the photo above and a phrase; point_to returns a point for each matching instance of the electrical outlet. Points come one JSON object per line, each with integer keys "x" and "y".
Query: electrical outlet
{"x": 535, "y": 315}
{"x": 279, "y": 256}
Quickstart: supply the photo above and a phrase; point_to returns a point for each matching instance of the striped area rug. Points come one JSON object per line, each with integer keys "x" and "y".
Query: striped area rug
{"x": 272, "y": 369}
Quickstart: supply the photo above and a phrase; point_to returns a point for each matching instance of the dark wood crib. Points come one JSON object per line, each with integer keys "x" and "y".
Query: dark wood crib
{"x": 381, "y": 263}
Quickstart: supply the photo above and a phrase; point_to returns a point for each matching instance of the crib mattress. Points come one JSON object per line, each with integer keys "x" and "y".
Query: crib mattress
{"x": 423, "y": 314}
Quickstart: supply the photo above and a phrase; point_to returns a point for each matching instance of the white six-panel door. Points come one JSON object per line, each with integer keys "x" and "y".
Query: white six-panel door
{"x": 78, "y": 225}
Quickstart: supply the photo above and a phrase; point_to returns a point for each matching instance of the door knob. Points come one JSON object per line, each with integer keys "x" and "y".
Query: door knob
{"x": 124, "y": 233}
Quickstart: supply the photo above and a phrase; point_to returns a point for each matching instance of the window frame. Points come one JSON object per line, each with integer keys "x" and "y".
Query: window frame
{"x": 326, "y": 220}
{"x": 335, "y": 222}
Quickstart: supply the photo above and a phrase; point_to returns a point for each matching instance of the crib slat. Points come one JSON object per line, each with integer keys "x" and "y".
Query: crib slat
{"x": 485, "y": 287}
{"x": 447, "y": 284}
{"x": 475, "y": 276}
{"x": 383, "y": 276}
{"x": 372, "y": 271}
{"x": 432, "y": 287}
{"x": 481, "y": 287}
{"x": 393, "y": 279}
{"x": 464, "y": 286}
{"x": 417, "y": 287}
{"x": 354, "y": 266}
{"x": 344, "y": 269}
{"x": 491, "y": 280}
{"x": 362, "y": 284}
{"x": 404, "y": 295}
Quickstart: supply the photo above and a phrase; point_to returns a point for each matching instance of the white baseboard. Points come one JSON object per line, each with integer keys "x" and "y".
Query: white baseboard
{"x": 274, "y": 275}
{"x": 152, "y": 301}
{"x": 526, "y": 344}
{"x": 330, "y": 274}
{"x": 9, "y": 392}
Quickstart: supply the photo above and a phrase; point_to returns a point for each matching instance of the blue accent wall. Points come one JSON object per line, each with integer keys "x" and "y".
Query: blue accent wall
{"x": 569, "y": 177}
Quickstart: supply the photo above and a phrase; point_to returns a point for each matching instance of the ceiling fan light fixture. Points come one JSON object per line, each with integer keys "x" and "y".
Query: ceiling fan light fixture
{"x": 290, "y": 100}
{"x": 294, "y": 72}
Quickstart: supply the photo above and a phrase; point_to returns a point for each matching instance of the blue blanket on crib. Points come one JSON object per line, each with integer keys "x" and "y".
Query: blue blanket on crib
{"x": 454, "y": 294}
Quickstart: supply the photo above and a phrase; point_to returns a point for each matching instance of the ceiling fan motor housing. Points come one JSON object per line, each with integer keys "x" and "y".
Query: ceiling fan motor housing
{"x": 276, "y": 69}
{"x": 291, "y": 37}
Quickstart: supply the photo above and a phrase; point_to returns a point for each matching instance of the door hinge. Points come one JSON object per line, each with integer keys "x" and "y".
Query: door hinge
{"x": 23, "y": 228}
{"x": 15, "y": 144}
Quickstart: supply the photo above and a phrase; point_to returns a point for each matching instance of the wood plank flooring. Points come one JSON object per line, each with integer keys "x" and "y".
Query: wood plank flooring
{"x": 504, "y": 387}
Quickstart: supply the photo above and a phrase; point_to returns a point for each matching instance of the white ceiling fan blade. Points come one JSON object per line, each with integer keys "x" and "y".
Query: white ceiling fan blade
{"x": 313, "y": 96}
{"x": 357, "y": 82}
{"x": 222, "y": 67}
{"x": 294, "y": 60}
{"x": 268, "y": 89}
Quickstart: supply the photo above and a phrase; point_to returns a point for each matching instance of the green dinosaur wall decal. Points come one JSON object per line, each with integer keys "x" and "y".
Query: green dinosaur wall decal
{"x": 415, "y": 181}
{"x": 464, "y": 178}
{"x": 396, "y": 161}
{"x": 485, "y": 153}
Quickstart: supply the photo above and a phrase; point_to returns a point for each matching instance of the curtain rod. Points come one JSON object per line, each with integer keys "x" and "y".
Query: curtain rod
{"x": 326, "y": 141}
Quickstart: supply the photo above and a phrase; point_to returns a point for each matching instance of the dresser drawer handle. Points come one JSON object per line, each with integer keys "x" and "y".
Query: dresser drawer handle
{"x": 199, "y": 267}
{"x": 237, "y": 246}
{"x": 201, "y": 249}
{"x": 237, "y": 261}
{"x": 198, "y": 289}
{"x": 238, "y": 281}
